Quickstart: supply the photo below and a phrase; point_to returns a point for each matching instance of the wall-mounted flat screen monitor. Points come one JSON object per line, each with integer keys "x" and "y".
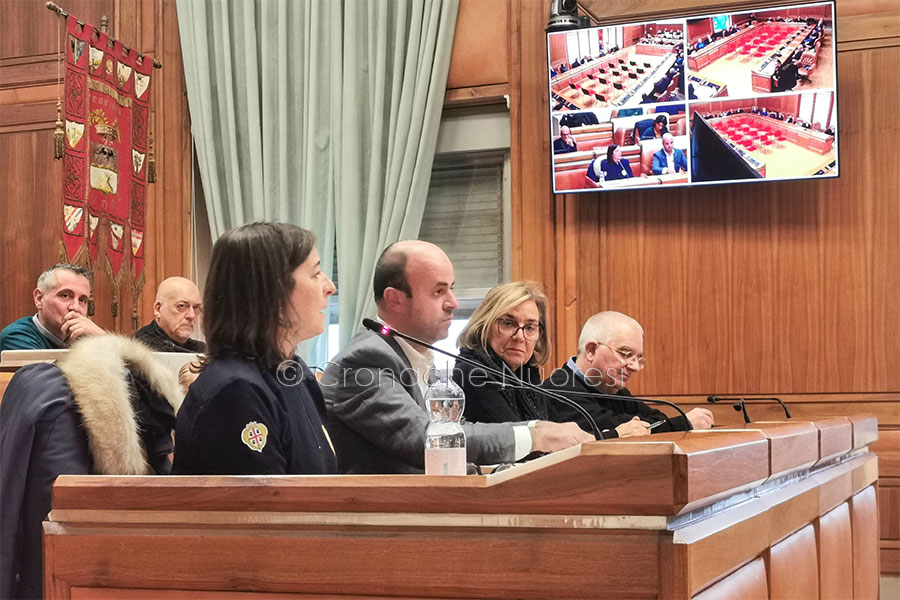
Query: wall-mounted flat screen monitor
{"x": 719, "y": 98}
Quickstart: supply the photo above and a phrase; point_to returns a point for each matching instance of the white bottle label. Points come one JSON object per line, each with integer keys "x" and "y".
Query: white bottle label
{"x": 445, "y": 461}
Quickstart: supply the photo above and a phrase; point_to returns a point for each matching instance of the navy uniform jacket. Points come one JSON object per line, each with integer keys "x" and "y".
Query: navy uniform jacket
{"x": 241, "y": 419}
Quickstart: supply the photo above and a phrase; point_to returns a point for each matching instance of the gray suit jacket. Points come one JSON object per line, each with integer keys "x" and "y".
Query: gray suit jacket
{"x": 377, "y": 418}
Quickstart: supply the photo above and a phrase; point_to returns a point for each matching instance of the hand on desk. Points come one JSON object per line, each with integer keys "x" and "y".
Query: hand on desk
{"x": 701, "y": 418}
{"x": 633, "y": 427}
{"x": 547, "y": 436}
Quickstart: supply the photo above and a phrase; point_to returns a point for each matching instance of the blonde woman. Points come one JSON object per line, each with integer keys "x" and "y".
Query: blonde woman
{"x": 508, "y": 333}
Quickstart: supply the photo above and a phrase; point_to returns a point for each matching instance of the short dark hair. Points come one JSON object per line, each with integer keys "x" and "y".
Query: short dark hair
{"x": 609, "y": 151}
{"x": 249, "y": 286}
{"x": 390, "y": 271}
{"x": 661, "y": 119}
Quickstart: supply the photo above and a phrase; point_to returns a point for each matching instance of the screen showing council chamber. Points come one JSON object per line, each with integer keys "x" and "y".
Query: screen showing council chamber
{"x": 717, "y": 98}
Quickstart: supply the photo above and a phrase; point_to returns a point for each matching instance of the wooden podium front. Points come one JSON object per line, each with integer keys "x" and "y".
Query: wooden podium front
{"x": 775, "y": 510}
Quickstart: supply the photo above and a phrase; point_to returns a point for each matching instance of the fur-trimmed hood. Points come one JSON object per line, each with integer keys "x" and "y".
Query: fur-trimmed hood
{"x": 97, "y": 371}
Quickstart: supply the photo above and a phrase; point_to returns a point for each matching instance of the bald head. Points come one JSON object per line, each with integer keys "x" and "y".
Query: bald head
{"x": 413, "y": 289}
{"x": 391, "y": 269}
{"x": 668, "y": 142}
{"x": 177, "y": 307}
{"x": 606, "y": 327}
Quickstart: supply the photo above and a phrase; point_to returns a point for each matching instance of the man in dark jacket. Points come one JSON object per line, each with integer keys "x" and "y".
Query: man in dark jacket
{"x": 108, "y": 407}
{"x": 176, "y": 312}
{"x": 610, "y": 352}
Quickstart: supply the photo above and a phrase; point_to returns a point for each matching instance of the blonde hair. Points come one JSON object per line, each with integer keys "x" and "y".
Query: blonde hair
{"x": 498, "y": 302}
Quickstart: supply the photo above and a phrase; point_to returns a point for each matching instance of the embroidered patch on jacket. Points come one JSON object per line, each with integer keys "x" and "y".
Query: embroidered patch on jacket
{"x": 254, "y": 436}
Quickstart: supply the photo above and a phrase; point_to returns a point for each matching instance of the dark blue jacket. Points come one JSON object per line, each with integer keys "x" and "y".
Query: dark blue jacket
{"x": 241, "y": 419}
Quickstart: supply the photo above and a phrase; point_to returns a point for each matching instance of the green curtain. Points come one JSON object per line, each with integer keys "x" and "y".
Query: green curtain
{"x": 396, "y": 59}
{"x": 304, "y": 110}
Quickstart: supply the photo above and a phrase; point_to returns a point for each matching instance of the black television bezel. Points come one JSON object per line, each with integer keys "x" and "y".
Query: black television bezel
{"x": 687, "y": 15}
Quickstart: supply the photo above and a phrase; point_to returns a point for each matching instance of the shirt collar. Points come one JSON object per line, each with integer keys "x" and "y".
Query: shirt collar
{"x": 572, "y": 365}
{"x": 421, "y": 362}
{"x": 46, "y": 333}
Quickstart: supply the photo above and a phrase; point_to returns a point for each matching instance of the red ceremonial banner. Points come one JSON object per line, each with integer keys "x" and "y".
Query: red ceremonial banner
{"x": 106, "y": 111}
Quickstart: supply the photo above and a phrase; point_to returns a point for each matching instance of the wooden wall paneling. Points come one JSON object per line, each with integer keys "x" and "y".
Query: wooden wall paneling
{"x": 30, "y": 178}
{"x": 567, "y": 309}
{"x": 796, "y": 307}
{"x": 32, "y": 30}
{"x": 533, "y": 244}
{"x": 657, "y": 258}
{"x": 698, "y": 29}
{"x": 752, "y": 284}
{"x": 631, "y": 34}
{"x": 170, "y": 217}
{"x": 590, "y": 250}
{"x": 558, "y": 50}
{"x": 708, "y": 295}
{"x": 883, "y": 266}
{"x": 479, "y": 55}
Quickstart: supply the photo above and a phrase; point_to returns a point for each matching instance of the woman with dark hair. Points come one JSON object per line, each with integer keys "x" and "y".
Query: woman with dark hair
{"x": 611, "y": 168}
{"x": 507, "y": 333}
{"x": 256, "y": 408}
{"x": 660, "y": 126}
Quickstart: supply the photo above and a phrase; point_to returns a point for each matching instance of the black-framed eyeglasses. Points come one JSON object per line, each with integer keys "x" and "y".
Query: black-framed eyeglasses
{"x": 627, "y": 356}
{"x": 508, "y": 327}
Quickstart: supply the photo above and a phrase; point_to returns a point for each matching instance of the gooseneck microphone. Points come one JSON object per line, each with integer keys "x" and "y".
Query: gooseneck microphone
{"x": 740, "y": 404}
{"x": 601, "y": 396}
{"x": 387, "y": 331}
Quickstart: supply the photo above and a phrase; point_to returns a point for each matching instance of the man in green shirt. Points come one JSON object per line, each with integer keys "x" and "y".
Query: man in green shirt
{"x": 61, "y": 299}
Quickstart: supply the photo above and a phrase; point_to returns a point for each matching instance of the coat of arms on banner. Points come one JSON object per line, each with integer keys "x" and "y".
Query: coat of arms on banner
{"x": 104, "y": 173}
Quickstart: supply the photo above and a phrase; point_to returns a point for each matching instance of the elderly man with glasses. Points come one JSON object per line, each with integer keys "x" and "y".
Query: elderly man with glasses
{"x": 610, "y": 352}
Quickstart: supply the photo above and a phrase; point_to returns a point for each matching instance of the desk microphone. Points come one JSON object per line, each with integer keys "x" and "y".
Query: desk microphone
{"x": 387, "y": 331}
{"x": 601, "y": 396}
{"x": 740, "y": 404}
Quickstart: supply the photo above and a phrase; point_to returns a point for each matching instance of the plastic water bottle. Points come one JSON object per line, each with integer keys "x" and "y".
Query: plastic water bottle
{"x": 445, "y": 440}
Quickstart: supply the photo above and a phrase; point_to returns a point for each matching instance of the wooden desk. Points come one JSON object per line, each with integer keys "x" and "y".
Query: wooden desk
{"x": 706, "y": 87}
{"x": 720, "y": 47}
{"x": 654, "y": 49}
{"x": 673, "y": 179}
{"x": 670, "y": 516}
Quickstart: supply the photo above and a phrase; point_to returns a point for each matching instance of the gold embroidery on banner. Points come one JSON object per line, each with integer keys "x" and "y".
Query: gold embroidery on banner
{"x": 99, "y": 86}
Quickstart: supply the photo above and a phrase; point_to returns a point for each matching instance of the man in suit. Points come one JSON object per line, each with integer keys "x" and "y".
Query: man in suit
{"x": 374, "y": 389}
{"x": 565, "y": 142}
{"x": 610, "y": 353}
{"x": 669, "y": 159}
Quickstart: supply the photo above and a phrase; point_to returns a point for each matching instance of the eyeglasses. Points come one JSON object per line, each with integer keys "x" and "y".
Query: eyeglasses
{"x": 508, "y": 327}
{"x": 627, "y": 356}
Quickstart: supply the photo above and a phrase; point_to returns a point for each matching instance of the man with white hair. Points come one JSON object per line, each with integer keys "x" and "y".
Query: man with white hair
{"x": 610, "y": 352}
{"x": 61, "y": 299}
{"x": 176, "y": 312}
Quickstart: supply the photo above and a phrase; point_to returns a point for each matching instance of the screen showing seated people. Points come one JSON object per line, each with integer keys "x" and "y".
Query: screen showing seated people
{"x": 721, "y": 98}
